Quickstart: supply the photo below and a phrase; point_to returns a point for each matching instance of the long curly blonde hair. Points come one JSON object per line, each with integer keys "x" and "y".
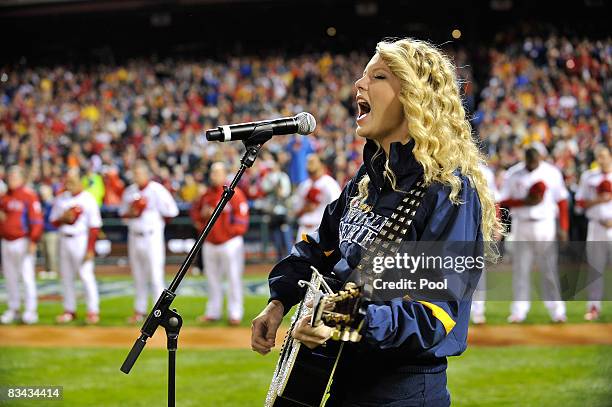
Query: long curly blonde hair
{"x": 437, "y": 122}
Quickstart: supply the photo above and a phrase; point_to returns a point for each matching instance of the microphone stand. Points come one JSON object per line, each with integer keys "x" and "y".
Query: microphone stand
{"x": 161, "y": 314}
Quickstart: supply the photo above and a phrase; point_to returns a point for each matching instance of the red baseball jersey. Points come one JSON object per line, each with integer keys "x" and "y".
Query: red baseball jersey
{"x": 23, "y": 215}
{"x": 233, "y": 221}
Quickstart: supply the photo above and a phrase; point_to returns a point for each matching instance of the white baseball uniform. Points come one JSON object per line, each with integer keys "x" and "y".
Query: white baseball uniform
{"x": 321, "y": 192}
{"x": 599, "y": 237}
{"x": 18, "y": 263}
{"x": 534, "y": 230}
{"x": 74, "y": 239}
{"x": 146, "y": 244}
{"x": 479, "y": 297}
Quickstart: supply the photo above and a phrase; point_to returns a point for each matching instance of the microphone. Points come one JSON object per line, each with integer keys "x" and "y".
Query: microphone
{"x": 303, "y": 123}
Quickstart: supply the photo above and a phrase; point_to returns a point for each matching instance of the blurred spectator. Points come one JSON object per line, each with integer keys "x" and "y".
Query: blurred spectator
{"x": 299, "y": 148}
{"x": 113, "y": 186}
{"x": 313, "y": 195}
{"x": 277, "y": 187}
{"x": 190, "y": 190}
{"x": 94, "y": 184}
{"x": 50, "y": 248}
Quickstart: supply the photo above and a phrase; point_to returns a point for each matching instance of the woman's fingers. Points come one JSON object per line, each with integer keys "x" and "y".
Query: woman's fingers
{"x": 328, "y": 305}
{"x": 309, "y": 335}
{"x": 262, "y": 336}
{"x": 260, "y": 347}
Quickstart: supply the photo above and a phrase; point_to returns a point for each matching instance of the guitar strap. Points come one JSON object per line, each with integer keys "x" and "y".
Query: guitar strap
{"x": 390, "y": 236}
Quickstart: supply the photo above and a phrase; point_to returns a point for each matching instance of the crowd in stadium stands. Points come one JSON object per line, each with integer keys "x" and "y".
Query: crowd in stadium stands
{"x": 554, "y": 91}
{"x": 102, "y": 118}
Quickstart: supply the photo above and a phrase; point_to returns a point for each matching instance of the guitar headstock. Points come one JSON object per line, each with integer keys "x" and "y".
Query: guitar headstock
{"x": 341, "y": 311}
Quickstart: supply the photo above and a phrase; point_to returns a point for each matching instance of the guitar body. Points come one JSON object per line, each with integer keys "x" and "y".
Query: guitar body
{"x": 310, "y": 377}
{"x": 303, "y": 376}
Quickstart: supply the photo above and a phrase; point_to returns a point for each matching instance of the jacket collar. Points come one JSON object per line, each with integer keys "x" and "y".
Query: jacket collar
{"x": 401, "y": 161}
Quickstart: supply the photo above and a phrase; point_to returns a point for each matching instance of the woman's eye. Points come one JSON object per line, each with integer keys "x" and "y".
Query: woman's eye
{"x": 379, "y": 77}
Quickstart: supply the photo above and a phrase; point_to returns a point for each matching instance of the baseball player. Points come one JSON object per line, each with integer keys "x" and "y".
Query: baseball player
{"x": 313, "y": 195}
{"x": 536, "y": 195}
{"x": 77, "y": 216}
{"x": 223, "y": 250}
{"x": 479, "y": 298}
{"x": 21, "y": 227}
{"x": 147, "y": 206}
{"x": 595, "y": 196}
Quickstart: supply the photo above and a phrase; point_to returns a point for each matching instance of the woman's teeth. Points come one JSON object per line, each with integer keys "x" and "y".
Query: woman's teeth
{"x": 364, "y": 110}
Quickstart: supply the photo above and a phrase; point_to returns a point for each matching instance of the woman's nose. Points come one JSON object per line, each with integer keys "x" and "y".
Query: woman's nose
{"x": 361, "y": 83}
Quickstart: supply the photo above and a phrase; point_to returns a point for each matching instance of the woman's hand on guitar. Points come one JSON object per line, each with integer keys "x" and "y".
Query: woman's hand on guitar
{"x": 329, "y": 306}
{"x": 264, "y": 327}
{"x": 311, "y": 336}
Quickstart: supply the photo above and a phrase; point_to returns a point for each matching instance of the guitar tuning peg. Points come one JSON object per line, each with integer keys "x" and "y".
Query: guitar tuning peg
{"x": 335, "y": 334}
{"x": 346, "y": 335}
{"x": 355, "y": 336}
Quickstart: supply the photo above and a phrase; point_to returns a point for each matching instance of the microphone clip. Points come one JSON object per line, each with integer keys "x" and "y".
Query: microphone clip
{"x": 260, "y": 135}
{"x": 253, "y": 144}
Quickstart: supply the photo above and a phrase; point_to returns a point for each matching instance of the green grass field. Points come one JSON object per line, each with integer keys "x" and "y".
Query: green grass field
{"x": 482, "y": 376}
{"x": 116, "y": 310}
{"x": 512, "y": 376}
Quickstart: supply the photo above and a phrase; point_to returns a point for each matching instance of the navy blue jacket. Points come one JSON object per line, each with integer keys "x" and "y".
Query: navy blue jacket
{"x": 408, "y": 335}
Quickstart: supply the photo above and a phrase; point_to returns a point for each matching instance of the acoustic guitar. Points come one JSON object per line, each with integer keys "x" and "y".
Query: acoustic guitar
{"x": 303, "y": 376}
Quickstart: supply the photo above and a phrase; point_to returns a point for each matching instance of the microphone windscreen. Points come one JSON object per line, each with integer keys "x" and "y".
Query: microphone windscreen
{"x": 306, "y": 123}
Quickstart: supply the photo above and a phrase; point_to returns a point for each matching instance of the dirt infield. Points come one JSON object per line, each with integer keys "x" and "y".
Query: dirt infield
{"x": 239, "y": 338}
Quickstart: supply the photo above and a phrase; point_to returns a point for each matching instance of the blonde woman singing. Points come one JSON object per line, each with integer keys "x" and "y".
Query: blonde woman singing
{"x": 411, "y": 114}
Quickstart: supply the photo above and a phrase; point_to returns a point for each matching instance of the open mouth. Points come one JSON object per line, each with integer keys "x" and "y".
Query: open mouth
{"x": 363, "y": 109}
